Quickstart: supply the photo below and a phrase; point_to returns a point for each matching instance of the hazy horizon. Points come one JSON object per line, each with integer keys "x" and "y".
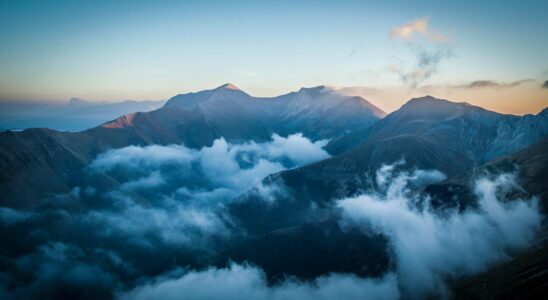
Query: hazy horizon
{"x": 388, "y": 53}
{"x": 389, "y": 99}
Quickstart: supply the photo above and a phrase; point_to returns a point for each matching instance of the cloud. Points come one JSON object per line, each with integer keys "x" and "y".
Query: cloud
{"x": 493, "y": 84}
{"x": 425, "y": 66}
{"x": 297, "y": 148}
{"x": 247, "y": 282}
{"x": 170, "y": 224}
{"x": 135, "y": 157}
{"x": 140, "y": 212}
{"x": 60, "y": 271}
{"x": 175, "y": 194}
{"x": 428, "y": 52}
{"x": 483, "y": 84}
{"x": 153, "y": 220}
{"x": 154, "y": 179}
{"x": 425, "y": 243}
{"x": 10, "y": 216}
{"x": 419, "y": 27}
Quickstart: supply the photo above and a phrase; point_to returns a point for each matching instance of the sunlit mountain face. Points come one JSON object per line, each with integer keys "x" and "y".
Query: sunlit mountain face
{"x": 359, "y": 153}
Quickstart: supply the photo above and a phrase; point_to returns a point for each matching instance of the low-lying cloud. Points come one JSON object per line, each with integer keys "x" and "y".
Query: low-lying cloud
{"x": 141, "y": 211}
{"x": 150, "y": 222}
{"x": 247, "y": 282}
{"x": 430, "y": 247}
{"x": 175, "y": 194}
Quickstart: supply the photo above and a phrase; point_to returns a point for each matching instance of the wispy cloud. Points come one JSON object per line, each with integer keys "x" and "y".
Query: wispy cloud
{"x": 419, "y": 27}
{"x": 484, "y": 84}
{"x": 494, "y": 84}
{"x": 429, "y": 48}
{"x": 426, "y": 65}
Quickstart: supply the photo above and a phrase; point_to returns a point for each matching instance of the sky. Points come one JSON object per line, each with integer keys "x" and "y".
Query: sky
{"x": 488, "y": 53}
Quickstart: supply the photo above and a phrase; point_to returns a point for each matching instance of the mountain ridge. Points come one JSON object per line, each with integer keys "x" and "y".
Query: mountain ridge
{"x": 212, "y": 114}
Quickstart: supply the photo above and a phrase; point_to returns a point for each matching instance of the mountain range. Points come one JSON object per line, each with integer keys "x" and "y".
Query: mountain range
{"x": 300, "y": 235}
{"x": 195, "y": 119}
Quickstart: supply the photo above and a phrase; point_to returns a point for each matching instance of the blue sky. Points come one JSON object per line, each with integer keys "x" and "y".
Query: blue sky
{"x": 111, "y": 50}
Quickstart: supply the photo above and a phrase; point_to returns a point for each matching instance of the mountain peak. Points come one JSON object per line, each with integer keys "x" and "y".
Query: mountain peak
{"x": 229, "y": 86}
{"x": 440, "y": 108}
{"x": 431, "y": 102}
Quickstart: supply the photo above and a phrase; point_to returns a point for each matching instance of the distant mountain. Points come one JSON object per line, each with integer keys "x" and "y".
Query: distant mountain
{"x": 194, "y": 119}
{"x": 76, "y": 115}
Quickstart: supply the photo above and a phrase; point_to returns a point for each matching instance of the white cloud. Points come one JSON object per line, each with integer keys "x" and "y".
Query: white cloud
{"x": 247, "y": 282}
{"x": 419, "y": 27}
{"x": 176, "y": 194}
{"x": 153, "y": 180}
{"x": 135, "y": 157}
{"x": 297, "y": 148}
{"x": 430, "y": 248}
{"x": 429, "y": 51}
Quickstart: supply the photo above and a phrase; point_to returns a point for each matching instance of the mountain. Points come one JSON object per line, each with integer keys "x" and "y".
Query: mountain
{"x": 318, "y": 112}
{"x": 78, "y": 114}
{"x": 530, "y": 165}
{"x": 522, "y": 277}
{"x": 459, "y": 132}
{"x": 143, "y": 216}
{"x": 194, "y": 119}
{"x": 300, "y": 223}
{"x": 427, "y": 133}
